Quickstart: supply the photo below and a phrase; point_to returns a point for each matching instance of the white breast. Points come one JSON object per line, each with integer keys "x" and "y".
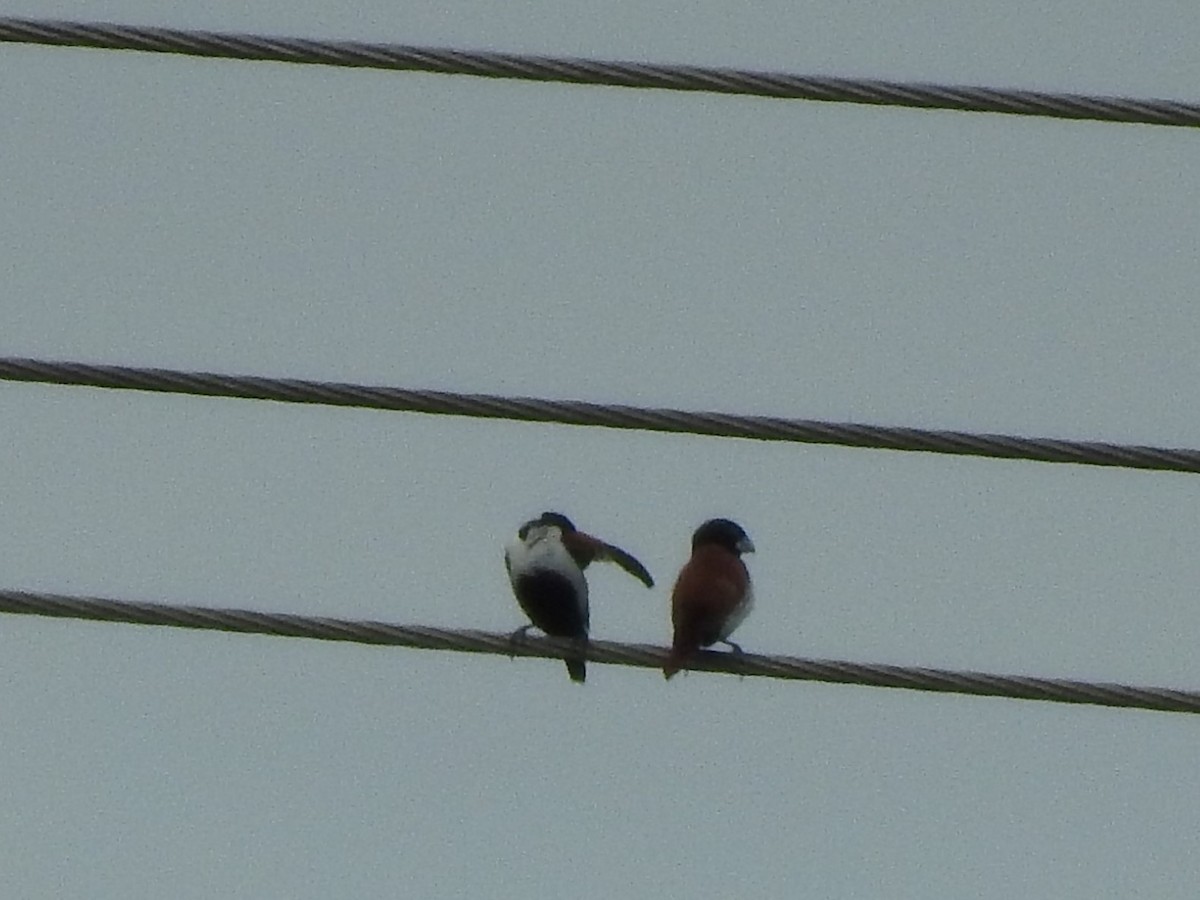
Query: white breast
{"x": 739, "y": 614}
{"x": 542, "y": 550}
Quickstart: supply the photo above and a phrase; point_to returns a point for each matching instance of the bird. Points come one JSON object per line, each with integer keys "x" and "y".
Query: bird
{"x": 712, "y": 594}
{"x": 545, "y": 564}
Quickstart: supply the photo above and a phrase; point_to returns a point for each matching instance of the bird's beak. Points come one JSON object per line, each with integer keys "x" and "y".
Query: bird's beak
{"x": 745, "y": 545}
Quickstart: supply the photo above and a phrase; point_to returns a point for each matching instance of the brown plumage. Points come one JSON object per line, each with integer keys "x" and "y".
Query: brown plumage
{"x": 585, "y": 549}
{"x": 712, "y": 594}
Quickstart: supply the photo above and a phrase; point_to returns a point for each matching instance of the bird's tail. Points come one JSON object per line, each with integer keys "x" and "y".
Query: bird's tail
{"x": 675, "y": 660}
{"x": 577, "y": 663}
{"x": 685, "y": 641}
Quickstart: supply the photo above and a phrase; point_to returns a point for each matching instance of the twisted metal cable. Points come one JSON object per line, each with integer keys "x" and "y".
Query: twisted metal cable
{"x": 644, "y": 656}
{"x": 603, "y": 72}
{"x": 574, "y": 412}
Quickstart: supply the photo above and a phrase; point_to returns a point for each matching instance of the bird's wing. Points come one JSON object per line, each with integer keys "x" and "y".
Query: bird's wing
{"x": 626, "y": 561}
{"x": 585, "y": 549}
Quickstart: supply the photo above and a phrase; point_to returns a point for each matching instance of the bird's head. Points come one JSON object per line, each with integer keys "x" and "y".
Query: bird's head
{"x": 723, "y": 533}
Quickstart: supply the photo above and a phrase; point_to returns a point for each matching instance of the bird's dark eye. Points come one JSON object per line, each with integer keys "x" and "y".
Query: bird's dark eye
{"x": 523, "y": 531}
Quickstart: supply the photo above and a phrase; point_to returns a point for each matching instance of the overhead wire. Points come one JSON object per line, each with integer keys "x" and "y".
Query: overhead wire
{"x": 571, "y": 70}
{"x": 646, "y": 656}
{"x": 624, "y": 74}
{"x": 575, "y": 412}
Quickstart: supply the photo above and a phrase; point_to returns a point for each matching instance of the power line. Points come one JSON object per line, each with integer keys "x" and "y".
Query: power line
{"x": 644, "y": 656}
{"x": 574, "y": 412}
{"x": 229, "y": 45}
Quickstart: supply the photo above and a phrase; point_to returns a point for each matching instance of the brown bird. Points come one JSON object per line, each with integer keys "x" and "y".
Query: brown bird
{"x": 712, "y": 594}
{"x": 545, "y": 566}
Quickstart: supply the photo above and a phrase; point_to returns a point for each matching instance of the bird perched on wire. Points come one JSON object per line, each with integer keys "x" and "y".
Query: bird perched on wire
{"x": 545, "y": 566}
{"x": 712, "y": 594}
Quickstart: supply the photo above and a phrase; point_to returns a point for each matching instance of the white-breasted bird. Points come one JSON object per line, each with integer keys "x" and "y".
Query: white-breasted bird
{"x": 545, "y": 565}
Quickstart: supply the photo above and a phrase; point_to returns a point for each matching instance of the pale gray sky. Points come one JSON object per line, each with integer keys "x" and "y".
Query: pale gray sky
{"x": 932, "y": 269}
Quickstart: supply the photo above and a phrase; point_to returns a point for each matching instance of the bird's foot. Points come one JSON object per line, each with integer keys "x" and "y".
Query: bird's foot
{"x": 516, "y": 637}
{"x": 735, "y": 651}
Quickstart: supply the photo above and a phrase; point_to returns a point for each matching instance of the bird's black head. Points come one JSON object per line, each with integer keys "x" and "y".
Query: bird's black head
{"x": 565, "y": 525}
{"x": 723, "y": 533}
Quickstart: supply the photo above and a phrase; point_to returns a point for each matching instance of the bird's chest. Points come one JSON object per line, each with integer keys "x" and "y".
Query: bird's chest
{"x": 546, "y": 562}
{"x": 738, "y": 614}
